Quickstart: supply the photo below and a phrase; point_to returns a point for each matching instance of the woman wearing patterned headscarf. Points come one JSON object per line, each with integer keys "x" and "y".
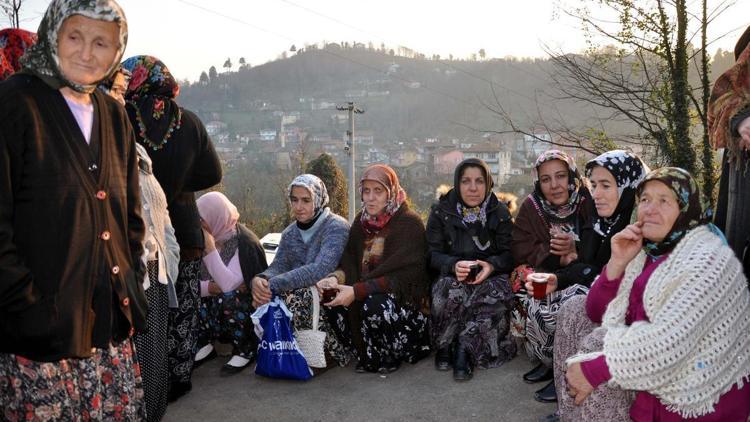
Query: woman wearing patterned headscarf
{"x": 13, "y": 44}
{"x": 674, "y": 311}
{"x": 233, "y": 256}
{"x": 309, "y": 249}
{"x": 70, "y": 226}
{"x": 184, "y": 162}
{"x": 547, "y": 238}
{"x": 469, "y": 227}
{"x": 381, "y": 278}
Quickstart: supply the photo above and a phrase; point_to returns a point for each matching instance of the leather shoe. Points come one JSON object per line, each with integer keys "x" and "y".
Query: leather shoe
{"x": 443, "y": 359}
{"x": 538, "y": 374}
{"x": 228, "y": 369}
{"x": 388, "y": 365}
{"x": 462, "y": 368}
{"x": 209, "y": 357}
{"x": 547, "y": 394}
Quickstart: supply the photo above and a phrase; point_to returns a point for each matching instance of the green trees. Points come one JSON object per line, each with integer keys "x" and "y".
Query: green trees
{"x": 326, "y": 168}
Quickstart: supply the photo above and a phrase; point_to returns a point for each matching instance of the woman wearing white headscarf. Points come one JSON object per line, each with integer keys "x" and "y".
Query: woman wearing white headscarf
{"x": 70, "y": 226}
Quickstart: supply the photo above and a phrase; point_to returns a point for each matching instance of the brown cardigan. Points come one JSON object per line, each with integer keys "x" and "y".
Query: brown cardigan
{"x": 403, "y": 263}
{"x": 531, "y": 236}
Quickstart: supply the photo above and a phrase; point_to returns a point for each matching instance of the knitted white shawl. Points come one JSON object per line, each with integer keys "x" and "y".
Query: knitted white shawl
{"x": 696, "y": 345}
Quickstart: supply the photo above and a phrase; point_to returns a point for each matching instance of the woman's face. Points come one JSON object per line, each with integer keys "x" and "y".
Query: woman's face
{"x": 87, "y": 48}
{"x": 472, "y": 186}
{"x": 658, "y": 210}
{"x": 303, "y": 207}
{"x": 374, "y": 196}
{"x": 604, "y": 191}
{"x": 553, "y": 179}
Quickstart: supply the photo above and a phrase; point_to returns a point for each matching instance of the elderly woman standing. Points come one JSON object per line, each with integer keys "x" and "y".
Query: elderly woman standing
{"x": 470, "y": 227}
{"x": 184, "y": 161}
{"x": 309, "y": 249}
{"x": 674, "y": 311}
{"x": 233, "y": 256}
{"x": 382, "y": 278}
{"x": 13, "y": 44}
{"x": 547, "y": 237}
{"x": 70, "y": 226}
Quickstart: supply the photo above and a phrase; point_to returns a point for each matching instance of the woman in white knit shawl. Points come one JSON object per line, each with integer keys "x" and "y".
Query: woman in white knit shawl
{"x": 674, "y": 310}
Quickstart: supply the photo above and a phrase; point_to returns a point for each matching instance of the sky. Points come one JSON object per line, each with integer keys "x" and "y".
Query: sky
{"x": 189, "y": 36}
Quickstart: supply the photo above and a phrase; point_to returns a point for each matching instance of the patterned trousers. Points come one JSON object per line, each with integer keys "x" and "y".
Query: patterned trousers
{"x": 183, "y": 323}
{"x": 226, "y": 318}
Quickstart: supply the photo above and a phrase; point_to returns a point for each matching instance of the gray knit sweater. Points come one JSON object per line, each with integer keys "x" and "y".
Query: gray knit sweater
{"x": 298, "y": 264}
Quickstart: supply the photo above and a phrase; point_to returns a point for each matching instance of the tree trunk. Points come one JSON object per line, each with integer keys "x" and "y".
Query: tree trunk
{"x": 684, "y": 152}
{"x": 708, "y": 153}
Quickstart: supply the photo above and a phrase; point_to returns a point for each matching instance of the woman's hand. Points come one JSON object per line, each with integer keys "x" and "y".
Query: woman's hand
{"x": 578, "y": 385}
{"x": 487, "y": 269}
{"x": 462, "y": 269}
{"x": 551, "y": 285}
{"x": 625, "y": 246}
{"x": 214, "y": 289}
{"x": 209, "y": 244}
{"x": 344, "y": 297}
{"x": 562, "y": 244}
{"x": 326, "y": 283}
{"x": 261, "y": 291}
{"x": 568, "y": 259}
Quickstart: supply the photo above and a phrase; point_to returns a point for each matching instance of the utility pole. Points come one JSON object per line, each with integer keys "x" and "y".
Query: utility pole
{"x": 350, "y": 150}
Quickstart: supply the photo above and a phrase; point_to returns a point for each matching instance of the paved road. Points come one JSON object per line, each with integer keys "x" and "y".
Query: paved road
{"x": 413, "y": 393}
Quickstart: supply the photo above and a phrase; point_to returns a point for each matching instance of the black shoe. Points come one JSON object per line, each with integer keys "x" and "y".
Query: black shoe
{"x": 551, "y": 418}
{"x": 178, "y": 389}
{"x": 361, "y": 368}
{"x": 538, "y": 374}
{"x": 548, "y": 394}
{"x": 227, "y": 369}
{"x": 208, "y": 357}
{"x": 388, "y": 365}
{"x": 462, "y": 367}
{"x": 443, "y": 359}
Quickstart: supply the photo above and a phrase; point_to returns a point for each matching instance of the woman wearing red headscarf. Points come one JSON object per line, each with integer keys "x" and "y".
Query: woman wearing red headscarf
{"x": 13, "y": 44}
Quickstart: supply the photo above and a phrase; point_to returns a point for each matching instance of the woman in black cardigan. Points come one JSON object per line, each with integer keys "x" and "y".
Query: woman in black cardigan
{"x": 70, "y": 226}
{"x": 184, "y": 162}
{"x": 469, "y": 235}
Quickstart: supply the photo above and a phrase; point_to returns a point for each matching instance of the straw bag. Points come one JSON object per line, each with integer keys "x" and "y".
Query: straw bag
{"x": 312, "y": 342}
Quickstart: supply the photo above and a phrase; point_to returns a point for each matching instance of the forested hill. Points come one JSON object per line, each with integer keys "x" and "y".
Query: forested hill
{"x": 405, "y": 94}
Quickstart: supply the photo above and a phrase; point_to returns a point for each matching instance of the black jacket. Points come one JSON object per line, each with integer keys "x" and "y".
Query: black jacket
{"x": 67, "y": 227}
{"x": 449, "y": 241}
{"x": 251, "y": 254}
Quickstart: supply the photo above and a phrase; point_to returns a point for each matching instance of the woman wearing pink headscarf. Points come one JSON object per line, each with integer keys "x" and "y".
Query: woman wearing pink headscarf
{"x": 233, "y": 255}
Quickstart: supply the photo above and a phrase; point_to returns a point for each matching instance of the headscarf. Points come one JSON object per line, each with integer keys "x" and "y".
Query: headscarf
{"x": 317, "y": 190}
{"x": 692, "y": 212}
{"x": 742, "y": 43}
{"x": 555, "y": 212}
{"x": 42, "y": 58}
{"x": 13, "y": 44}
{"x": 387, "y": 177}
{"x": 220, "y": 215}
{"x": 477, "y": 214}
{"x": 628, "y": 170}
{"x": 150, "y": 100}
{"x": 729, "y": 97}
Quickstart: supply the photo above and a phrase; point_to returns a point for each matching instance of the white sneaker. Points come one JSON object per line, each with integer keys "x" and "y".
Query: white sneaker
{"x": 238, "y": 361}
{"x": 203, "y": 352}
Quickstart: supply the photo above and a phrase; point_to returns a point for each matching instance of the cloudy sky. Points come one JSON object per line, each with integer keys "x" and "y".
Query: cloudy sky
{"x": 191, "y": 35}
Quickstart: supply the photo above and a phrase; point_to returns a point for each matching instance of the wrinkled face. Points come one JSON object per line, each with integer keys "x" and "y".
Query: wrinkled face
{"x": 473, "y": 186}
{"x": 658, "y": 209}
{"x": 303, "y": 208}
{"x": 553, "y": 180}
{"x": 374, "y": 196}
{"x": 119, "y": 87}
{"x": 87, "y": 48}
{"x": 604, "y": 191}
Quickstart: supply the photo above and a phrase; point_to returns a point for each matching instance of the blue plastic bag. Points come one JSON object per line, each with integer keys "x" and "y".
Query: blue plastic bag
{"x": 278, "y": 352}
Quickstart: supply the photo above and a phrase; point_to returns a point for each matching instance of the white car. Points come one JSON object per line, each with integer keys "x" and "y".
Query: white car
{"x": 270, "y": 243}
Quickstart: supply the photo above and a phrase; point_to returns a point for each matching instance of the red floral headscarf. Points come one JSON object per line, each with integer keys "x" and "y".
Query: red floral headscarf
{"x": 13, "y": 44}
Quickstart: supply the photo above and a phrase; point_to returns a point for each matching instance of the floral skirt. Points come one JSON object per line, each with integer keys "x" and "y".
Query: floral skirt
{"x": 226, "y": 318}
{"x": 106, "y": 386}
{"x": 542, "y": 322}
{"x": 300, "y": 304}
{"x": 477, "y": 316}
{"x": 183, "y": 323}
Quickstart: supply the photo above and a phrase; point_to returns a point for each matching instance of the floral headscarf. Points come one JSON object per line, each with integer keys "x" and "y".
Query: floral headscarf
{"x": 387, "y": 177}
{"x": 42, "y": 58}
{"x": 472, "y": 215}
{"x": 628, "y": 171}
{"x": 317, "y": 190}
{"x": 13, "y": 44}
{"x": 692, "y": 211}
{"x": 575, "y": 182}
{"x": 150, "y": 100}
